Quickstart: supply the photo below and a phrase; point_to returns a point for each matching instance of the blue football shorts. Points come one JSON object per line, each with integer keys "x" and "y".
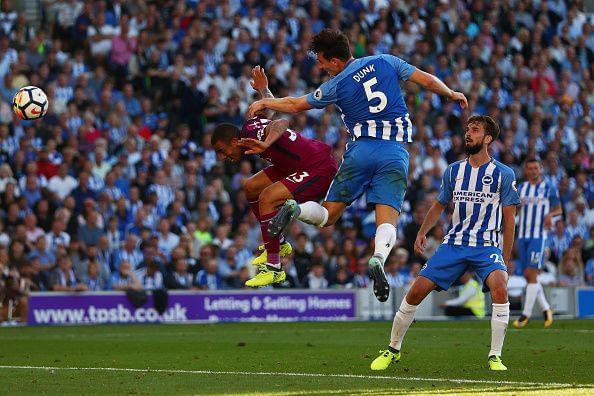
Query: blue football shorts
{"x": 451, "y": 261}
{"x": 373, "y": 166}
{"x": 530, "y": 254}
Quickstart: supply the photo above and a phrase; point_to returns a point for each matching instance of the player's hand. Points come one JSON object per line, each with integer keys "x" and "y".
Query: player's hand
{"x": 420, "y": 244}
{"x": 459, "y": 97}
{"x": 253, "y": 146}
{"x": 256, "y": 107}
{"x": 259, "y": 80}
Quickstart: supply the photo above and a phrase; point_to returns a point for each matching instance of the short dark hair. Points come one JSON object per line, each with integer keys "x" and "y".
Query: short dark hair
{"x": 332, "y": 44}
{"x": 531, "y": 159}
{"x": 224, "y": 132}
{"x": 491, "y": 127}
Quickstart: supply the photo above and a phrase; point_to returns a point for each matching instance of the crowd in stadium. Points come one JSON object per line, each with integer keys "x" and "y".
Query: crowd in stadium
{"x": 119, "y": 188}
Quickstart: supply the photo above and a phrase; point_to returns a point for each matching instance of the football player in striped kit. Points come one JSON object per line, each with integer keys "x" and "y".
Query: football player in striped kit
{"x": 539, "y": 203}
{"x": 367, "y": 93}
{"x": 485, "y": 197}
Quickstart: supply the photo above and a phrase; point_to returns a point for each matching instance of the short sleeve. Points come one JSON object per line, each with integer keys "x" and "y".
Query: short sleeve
{"x": 402, "y": 67}
{"x": 323, "y": 96}
{"x": 509, "y": 190}
{"x": 553, "y": 196}
{"x": 445, "y": 191}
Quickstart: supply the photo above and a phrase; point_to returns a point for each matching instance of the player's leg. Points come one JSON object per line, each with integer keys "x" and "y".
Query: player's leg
{"x": 446, "y": 265}
{"x": 497, "y": 283}
{"x": 270, "y": 198}
{"x": 402, "y": 321}
{"x": 386, "y": 191}
{"x": 348, "y": 184}
{"x": 531, "y": 254}
{"x": 488, "y": 264}
{"x": 253, "y": 189}
{"x": 385, "y": 238}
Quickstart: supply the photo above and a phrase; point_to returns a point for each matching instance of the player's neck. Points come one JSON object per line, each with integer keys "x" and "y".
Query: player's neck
{"x": 479, "y": 159}
{"x": 535, "y": 181}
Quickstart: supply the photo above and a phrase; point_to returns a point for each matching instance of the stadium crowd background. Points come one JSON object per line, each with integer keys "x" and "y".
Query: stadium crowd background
{"x": 118, "y": 186}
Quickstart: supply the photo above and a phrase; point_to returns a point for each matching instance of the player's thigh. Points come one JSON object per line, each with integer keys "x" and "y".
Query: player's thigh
{"x": 354, "y": 174}
{"x": 445, "y": 266}
{"x": 258, "y": 182}
{"x": 484, "y": 260}
{"x": 310, "y": 184}
{"x": 389, "y": 180}
{"x": 273, "y": 196}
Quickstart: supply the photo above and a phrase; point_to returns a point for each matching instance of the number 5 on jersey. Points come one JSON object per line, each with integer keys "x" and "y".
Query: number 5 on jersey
{"x": 375, "y": 95}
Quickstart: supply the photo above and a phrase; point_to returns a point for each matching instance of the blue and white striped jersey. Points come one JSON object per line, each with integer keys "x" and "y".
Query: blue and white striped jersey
{"x": 479, "y": 195}
{"x": 367, "y": 92}
{"x": 536, "y": 201}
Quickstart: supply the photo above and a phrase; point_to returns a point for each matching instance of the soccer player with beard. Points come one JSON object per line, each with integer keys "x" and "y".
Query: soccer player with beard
{"x": 301, "y": 169}
{"x": 485, "y": 197}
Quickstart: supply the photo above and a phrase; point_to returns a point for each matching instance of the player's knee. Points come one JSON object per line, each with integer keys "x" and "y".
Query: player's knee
{"x": 251, "y": 190}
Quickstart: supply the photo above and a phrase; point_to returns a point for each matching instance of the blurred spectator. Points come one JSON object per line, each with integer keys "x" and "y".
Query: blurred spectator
{"x": 315, "y": 278}
{"x": 571, "y": 269}
{"x": 179, "y": 278}
{"x": 124, "y": 279}
{"x": 208, "y": 277}
{"x": 63, "y": 278}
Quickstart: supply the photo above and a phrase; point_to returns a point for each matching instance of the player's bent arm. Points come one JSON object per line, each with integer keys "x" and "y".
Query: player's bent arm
{"x": 431, "y": 218}
{"x": 556, "y": 211}
{"x": 275, "y": 130}
{"x": 509, "y": 228}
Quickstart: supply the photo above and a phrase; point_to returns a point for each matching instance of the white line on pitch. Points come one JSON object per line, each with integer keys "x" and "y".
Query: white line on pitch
{"x": 353, "y": 376}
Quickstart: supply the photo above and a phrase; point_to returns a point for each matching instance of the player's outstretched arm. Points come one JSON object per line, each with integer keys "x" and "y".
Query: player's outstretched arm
{"x": 434, "y": 84}
{"x": 509, "y": 229}
{"x": 273, "y": 132}
{"x": 284, "y": 105}
{"x": 430, "y": 219}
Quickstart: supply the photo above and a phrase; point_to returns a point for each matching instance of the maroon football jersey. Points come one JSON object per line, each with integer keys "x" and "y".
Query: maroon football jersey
{"x": 292, "y": 152}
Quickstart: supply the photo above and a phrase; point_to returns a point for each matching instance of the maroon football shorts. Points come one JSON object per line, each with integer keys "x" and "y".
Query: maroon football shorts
{"x": 307, "y": 185}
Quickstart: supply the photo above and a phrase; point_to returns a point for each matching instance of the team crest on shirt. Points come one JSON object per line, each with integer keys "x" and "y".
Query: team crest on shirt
{"x": 487, "y": 180}
{"x": 541, "y": 190}
{"x": 318, "y": 94}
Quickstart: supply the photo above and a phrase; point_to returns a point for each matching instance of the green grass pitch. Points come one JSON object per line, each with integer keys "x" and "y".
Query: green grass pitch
{"x": 293, "y": 359}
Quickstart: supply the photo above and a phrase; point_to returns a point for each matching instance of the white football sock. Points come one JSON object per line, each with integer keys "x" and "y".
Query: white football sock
{"x": 542, "y": 298}
{"x": 531, "y": 293}
{"x": 499, "y": 320}
{"x": 385, "y": 238}
{"x": 402, "y": 321}
{"x": 313, "y": 213}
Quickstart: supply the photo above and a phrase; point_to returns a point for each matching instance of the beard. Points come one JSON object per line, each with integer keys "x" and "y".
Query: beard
{"x": 471, "y": 150}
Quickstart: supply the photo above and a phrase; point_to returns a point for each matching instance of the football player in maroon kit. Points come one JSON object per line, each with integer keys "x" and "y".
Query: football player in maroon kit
{"x": 301, "y": 169}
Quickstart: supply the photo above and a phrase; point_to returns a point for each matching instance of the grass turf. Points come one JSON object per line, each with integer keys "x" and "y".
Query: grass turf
{"x": 557, "y": 360}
